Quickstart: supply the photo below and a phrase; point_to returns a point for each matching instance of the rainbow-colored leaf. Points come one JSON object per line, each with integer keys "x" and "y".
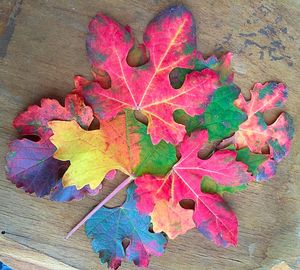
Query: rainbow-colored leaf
{"x": 108, "y": 227}
{"x": 121, "y": 144}
{"x": 147, "y": 87}
{"x": 211, "y": 215}
{"x": 255, "y": 133}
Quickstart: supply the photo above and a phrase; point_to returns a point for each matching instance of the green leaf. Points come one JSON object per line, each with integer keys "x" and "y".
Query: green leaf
{"x": 154, "y": 159}
{"x": 221, "y": 118}
{"x": 252, "y": 160}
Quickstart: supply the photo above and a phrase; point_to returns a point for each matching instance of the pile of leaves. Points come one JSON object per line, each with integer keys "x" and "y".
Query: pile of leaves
{"x": 160, "y": 105}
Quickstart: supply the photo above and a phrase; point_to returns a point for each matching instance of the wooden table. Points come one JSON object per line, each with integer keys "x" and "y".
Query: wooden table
{"x": 43, "y": 46}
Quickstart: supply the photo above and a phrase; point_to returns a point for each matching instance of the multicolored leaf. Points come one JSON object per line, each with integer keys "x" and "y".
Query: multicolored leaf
{"x": 221, "y": 118}
{"x": 255, "y": 133}
{"x": 147, "y": 88}
{"x": 110, "y": 226}
{"x": 222, "y": 66}
{"x": 30, "y": 164}
{"x": 211, "y": 215}
{"x": 260, "y": 165}
{"x": 121, "y": 144}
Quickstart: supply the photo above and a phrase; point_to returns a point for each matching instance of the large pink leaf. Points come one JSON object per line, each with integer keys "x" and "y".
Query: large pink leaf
{"x": 171, "y": 42}
{"x": 212, "y": 217}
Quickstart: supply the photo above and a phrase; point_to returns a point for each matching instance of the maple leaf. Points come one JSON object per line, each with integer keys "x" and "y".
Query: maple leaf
{"x": 121, "y": 144}
{"x": 147, "y": 88}
{"x": 221, "y": 118}
{"x": 108, "y": 227}
{"x": 211, "y": 215}
{"x": 30, "y": 164}
{"x": 255, "y": 133}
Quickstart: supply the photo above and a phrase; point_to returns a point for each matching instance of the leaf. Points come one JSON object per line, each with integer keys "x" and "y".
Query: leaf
{"x": 30, "y": 164}
{"x": 147, "y": 88}
{"x": 110, "y": 226}
{"x": 222, "y": 66}
{"x": 34, "y": 121}
{"x": 177, "y": 221}
{"x": 121, "y": 144}
{"x": 255, "y": 133}
{"x": 66, "y": 194}
{"x": 221, "y": 118}
{"x": 211, "y": 215}
{"x": 261, "y": 166}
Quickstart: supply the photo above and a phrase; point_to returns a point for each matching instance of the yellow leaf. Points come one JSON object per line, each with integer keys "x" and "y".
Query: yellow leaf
{"x": 92, "y": 153}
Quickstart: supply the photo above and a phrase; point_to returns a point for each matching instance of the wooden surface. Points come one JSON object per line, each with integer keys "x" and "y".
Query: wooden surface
{"x": 43, "y": 46}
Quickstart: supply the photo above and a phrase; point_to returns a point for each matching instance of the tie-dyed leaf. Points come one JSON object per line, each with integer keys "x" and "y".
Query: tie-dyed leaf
{"x": 147, "y": 88}
{"x": 255, "y": 133}
{"x": 30, "y": 164}
{"x": 211, "y": 215}
{"x": 121, "y": 144}
{"x": 221, "y": 118}
{"x": 108, "y": 227}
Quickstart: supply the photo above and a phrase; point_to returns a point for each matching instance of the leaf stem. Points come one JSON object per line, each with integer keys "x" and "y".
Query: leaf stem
{"x": 126, "y": 182}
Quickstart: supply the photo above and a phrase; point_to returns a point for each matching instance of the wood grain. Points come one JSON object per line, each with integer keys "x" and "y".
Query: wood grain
{"x": 47, "y": 48}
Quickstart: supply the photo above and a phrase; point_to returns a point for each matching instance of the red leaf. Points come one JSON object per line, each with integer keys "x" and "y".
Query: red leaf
{"x": 212, "y": 217}
{"x": 255, "y": 133}
{"x": 34, "y": 121}
{"x": 147, "y": 88}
